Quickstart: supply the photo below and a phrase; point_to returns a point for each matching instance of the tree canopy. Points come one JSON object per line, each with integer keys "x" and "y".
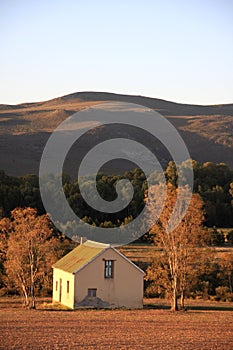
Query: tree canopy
{"x": 29, "y": 251}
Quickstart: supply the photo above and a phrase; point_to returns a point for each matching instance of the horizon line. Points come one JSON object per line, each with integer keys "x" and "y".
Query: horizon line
{"x": 112, "y": 93}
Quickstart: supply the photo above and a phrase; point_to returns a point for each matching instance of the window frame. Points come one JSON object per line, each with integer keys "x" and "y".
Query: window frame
{"x": 108, "y": 269}
{"x": 91, "y": 292}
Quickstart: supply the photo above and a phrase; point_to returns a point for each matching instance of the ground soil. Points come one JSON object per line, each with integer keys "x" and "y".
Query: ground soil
{"x": 154, "y": 327}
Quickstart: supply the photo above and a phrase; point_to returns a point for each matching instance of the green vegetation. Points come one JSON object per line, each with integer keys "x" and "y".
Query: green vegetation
{"x": 214, "y": 183}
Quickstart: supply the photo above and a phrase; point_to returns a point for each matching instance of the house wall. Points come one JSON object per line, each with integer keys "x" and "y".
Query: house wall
{"x": 125, "y": 289}
{"x": 66, "y": 298}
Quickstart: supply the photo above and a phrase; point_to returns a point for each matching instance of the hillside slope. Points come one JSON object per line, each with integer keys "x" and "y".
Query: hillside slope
{"x": 25, "y": 128}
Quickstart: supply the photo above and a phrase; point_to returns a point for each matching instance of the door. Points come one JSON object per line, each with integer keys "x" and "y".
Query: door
{"x": 60, "y": 290}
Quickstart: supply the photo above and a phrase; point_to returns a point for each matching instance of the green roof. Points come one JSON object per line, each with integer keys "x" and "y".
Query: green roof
{"x": 80, "y": 256}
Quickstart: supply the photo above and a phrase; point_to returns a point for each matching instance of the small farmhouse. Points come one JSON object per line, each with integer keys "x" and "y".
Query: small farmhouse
{"x": 96, "y": 274}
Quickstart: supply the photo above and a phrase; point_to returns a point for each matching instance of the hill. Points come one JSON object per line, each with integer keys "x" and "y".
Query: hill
{"x": 25, "y": 128}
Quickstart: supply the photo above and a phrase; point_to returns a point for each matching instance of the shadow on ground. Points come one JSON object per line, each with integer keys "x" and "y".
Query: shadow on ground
{"x": 190, "y": 307}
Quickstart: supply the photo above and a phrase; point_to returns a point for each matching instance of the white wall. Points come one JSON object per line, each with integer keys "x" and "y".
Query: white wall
{"x": 125, "y": 289}
{"x": 66, "y": 298}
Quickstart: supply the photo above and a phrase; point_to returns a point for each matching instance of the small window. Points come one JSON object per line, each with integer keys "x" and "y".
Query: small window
{"x": 91, "y": 292}
{"x": 68, "y": 286}
{"x": 56, "y": 286}
{"x": 108, "y": 268}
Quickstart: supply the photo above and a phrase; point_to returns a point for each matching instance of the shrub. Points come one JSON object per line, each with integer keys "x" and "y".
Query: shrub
{"x": 230, "y": 237}
{"x": 223, "y": 293}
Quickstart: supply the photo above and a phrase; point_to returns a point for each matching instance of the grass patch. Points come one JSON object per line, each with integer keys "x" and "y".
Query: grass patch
{"x": 53, "y": 307}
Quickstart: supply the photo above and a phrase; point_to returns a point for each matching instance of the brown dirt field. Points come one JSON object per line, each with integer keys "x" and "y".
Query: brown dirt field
{"x": 115, "y": 329}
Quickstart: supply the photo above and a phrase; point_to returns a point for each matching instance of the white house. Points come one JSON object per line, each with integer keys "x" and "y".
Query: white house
{"x": 96, "y": 274}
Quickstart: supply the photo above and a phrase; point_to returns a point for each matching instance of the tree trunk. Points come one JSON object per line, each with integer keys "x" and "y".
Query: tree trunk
{"x": 182, "y": 291}
{"x": 174, "y": 304}
{"x": 32, "y": 262}
{"x": 33, "y": 306}
{"x": 229, "y": 280}
{"x": 25, "y": 295}
{"x": 182, "y": 300}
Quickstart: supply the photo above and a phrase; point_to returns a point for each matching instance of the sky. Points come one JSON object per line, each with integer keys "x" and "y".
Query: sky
{"x": 180, "y": 51}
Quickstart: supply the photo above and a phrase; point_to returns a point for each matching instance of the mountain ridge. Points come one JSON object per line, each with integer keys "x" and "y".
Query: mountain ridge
{"x": 88, "y": 96}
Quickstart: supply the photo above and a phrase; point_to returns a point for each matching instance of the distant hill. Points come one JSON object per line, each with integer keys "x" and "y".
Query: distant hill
{"x": 25, "y": 128}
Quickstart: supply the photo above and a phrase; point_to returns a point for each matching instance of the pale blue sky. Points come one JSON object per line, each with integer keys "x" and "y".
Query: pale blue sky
{"x": 175, "y": 50}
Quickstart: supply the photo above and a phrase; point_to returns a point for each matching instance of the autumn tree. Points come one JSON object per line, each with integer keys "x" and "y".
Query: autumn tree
{"x": 179, "y": 246}
{"x": 226, "y": 268}
{"x": 30, "y": 243}
{"x": 4, "y": 229}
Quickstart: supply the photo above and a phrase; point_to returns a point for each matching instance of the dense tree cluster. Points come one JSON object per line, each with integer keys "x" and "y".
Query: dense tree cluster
{"x": 211, "y": 277}
{"x": 213, "y": 182}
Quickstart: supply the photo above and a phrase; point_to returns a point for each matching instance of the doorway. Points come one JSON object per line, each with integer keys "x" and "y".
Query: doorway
{"x": 60, "y": 290}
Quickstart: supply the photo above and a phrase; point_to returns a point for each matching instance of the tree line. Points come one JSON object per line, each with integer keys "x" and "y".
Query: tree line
{"x": 213, "y": 182}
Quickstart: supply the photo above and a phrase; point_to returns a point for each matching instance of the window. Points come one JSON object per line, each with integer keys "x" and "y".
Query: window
{"x": 68, "y": 287}
{"x": 91, "y": 292}
{"x": 56, "y": 286}
{"x": 108, "y": 268}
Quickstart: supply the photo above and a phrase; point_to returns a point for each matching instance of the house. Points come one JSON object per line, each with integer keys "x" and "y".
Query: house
{"x": 97, "y": 275}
